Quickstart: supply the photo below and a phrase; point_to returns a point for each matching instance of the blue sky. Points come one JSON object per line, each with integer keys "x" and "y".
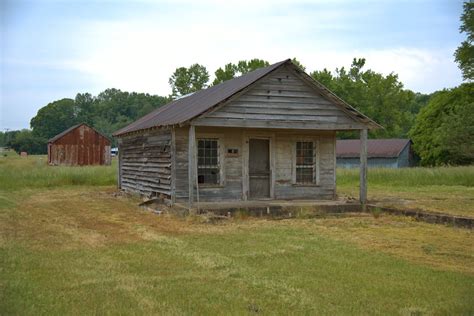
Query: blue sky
{"x": 56, "y": 49}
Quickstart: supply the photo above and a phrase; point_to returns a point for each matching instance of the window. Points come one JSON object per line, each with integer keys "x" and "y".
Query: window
{"x": 208, "y": 161}
{"x": 305, "y": 153}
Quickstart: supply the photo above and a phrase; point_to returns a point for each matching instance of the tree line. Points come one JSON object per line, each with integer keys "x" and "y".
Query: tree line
{"x": 440, "y": 124}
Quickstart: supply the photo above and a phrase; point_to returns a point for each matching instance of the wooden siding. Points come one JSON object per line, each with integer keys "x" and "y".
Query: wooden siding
{"x": 181, "y": 168}
{"x": 281, "y": 100}
{"x": 80, "y": 147}
{"x": 283, "y": 142}
{"x": 145, "y": 165}
{"x": 285, "y": 186}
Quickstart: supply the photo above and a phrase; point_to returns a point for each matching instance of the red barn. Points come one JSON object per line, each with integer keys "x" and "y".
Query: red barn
{"x": 79, "y": 145}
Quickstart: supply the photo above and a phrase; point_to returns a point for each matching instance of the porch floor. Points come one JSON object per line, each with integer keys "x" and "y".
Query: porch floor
{"x": 272, "y": 206}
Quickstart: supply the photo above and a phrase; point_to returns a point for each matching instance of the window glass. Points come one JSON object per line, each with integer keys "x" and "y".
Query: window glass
{"x": 208, "y": 161}
{"x": 305, "y": 162}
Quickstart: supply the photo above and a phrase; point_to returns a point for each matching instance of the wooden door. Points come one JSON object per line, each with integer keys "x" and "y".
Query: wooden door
{"x": 259, "y": 168}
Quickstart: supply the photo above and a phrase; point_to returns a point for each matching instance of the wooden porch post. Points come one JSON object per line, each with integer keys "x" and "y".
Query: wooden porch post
{"x": 363, "y": 168}
{"x": 191, "y": 164}
{"x": 119, "y": 171}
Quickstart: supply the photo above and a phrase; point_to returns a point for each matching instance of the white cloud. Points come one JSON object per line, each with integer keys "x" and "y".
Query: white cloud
{"x": 139, "y": 54}
{"x": 420, "y": 70}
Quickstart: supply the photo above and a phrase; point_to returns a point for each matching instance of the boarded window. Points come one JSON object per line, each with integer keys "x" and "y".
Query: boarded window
{"x": 208, "y": 161}
{"x": 305, "y": 158}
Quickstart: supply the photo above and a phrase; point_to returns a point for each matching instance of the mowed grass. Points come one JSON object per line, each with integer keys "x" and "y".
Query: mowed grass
{"x": 81, "y": 249}
{"x": 442, "y": 189}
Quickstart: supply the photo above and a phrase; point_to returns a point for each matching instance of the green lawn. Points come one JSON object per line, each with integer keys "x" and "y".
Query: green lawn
{"x": 79, "y": 248}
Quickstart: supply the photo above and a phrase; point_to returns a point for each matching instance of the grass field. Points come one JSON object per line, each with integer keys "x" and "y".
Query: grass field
{"x": 443, "y": 189}
{"x": 70, "y": 245}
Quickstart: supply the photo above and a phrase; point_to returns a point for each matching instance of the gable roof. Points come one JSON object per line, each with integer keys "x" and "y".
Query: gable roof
{"x": 376, "y": 148}
{"x": 191, "y": 106}
{"x": 55, "y": 138}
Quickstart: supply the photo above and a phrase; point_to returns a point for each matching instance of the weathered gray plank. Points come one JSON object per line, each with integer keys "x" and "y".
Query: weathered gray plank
{"x": 363, "y": 167}
{"x": 145, "y": 163}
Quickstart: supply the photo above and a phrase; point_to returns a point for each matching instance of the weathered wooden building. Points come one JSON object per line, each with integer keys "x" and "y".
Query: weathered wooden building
{"x": 79, "y": 145}
{"x": 381, "y": 153}
{"x": 269, "y": 134}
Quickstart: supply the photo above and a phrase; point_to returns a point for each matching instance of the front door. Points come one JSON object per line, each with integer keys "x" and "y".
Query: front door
{"x": 259, "y": 168}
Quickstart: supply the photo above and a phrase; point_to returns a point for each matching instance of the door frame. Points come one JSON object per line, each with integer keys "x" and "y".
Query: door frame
{"x": 246, "y": 136}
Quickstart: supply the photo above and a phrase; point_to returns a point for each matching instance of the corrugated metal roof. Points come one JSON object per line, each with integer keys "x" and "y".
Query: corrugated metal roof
{"x": 186, "y": 108}
{"x": 51, "y": 140}
{"x": 63, "y": 133}
{"x": 376, "y": 148}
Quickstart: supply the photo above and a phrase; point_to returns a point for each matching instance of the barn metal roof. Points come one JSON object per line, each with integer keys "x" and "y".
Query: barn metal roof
{"x": 186, "y": 108}
{"x": 376, "y": 148}
{"x": 55, "y": 138}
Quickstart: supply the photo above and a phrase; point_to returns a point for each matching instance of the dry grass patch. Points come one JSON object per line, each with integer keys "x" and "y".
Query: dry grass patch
{"x": 441, "y": 247}
{"x": 86, "y": 217}
{"x": 76, "y": 217}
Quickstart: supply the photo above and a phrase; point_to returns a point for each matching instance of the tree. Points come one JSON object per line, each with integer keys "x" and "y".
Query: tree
{"x": 187, "y": 80}
{"x": 380, "y": 97}
{"x": 114, "y": 109}
{"x": 298, "y": 63}
{"x": 464, "y": 55}
{"x": 230, "y": 70}
{"x": 444, "y": 129}
{"x": 54, "y": 118}
{"x": 245, "y": 66}
{"x": 235, "y": 70}
{"x": 84, "y": 108}
{"x": 25, "y": 140}
{"x": 109, "y": 111}
{"x": 7, "y": 137}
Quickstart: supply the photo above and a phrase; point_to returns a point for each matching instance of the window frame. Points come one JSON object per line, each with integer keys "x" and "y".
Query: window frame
{"x": 315, "y": 166}
{"x": 220, "y": 160}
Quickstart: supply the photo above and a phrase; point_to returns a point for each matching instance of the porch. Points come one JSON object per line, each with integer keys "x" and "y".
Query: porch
{"x": 290, "y": 208}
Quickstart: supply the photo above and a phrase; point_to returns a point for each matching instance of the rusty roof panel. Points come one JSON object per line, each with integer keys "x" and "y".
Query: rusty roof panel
{"x": 376, "y": 148}
{"x": 65, "y": 132}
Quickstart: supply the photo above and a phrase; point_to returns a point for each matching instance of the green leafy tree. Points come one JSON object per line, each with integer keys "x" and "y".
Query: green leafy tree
{"x": 84, "y": 108}
{"x": 230, "y": 71}
{"x": 54, "y": 118}
{"x": 245, "y": 66}
{"x": 444, "y": 129}
{"x": 380, "y": 97}
{"x": 109, "y": 111}
{"x": 298, "y": 63}
{"x": 235, "y": 70}
{"x": 26, "y": 140}
{"x": 7, "y": 137}
{"x": 187, "y": 80}
{"x": 113, "y": 109}
{"x": 464, "y": 55}
{"x": 3, "y": 139}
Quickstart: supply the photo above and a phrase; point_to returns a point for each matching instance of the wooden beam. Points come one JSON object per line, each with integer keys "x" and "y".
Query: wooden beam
{"x": 119, "y": 166}
{"x": 363, "y": 167}
{"x": 191, "y": 164}
{"x": 173, "y": 166}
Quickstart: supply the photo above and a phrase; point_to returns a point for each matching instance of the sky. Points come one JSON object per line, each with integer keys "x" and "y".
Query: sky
{"x": 55, "y": 49}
